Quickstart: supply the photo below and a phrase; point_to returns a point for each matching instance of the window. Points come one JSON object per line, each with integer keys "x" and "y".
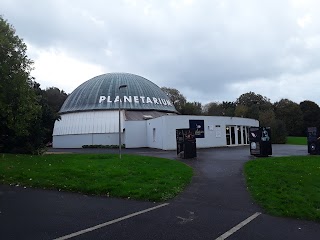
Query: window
{"x": 244, "y": 135}
{"x": 247, "y": 132}
{"x": 233, "y": 137}
{"x": 239, "y": 134}
{"x": 154, "y": 134}
{"x": 228, "y": 135}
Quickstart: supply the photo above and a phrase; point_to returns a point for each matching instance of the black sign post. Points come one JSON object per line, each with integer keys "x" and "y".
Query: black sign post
{"x": 260, "y": 141}
{"x": 186, "y": 143}
{"x": 313, "y": 141}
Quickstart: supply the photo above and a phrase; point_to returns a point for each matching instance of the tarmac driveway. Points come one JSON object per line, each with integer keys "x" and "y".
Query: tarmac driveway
{"x": 216, "y": 204}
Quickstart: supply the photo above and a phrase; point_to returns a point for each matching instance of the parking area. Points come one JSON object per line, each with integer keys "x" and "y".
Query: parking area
{"x": 216, "y": 205}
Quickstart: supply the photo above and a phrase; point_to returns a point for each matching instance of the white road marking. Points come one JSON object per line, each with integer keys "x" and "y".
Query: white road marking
{"x": 236, "y": 228}
{"x": 109, "y": 222}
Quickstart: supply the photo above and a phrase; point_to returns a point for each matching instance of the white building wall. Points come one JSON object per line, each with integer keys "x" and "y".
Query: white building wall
{"x": 101, "y": 128}
{"x": 215, "y": 136}
{"x": 136, "y": 134}
{"x": 155, "y": 133}
{"x": 107, "y": 139}
{"x": 78, "y": 140}
{"x": 88, "y": 122}
{"x": 74, "y": 130}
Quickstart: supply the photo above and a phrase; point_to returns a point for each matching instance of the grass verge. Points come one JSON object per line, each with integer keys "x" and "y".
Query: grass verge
{"x": 296, "y": 140}
{"x": 136, "y": 177}
{"x": 286, "y": 186}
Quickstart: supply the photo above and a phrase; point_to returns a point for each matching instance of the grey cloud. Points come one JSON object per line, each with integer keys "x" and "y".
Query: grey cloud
{"x": 202, "y": 49}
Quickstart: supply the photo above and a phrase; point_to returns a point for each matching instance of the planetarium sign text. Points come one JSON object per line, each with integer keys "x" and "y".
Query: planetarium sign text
{"x": 135, "y": 100}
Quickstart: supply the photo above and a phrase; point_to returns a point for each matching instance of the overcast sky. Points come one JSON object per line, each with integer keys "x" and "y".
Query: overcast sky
{"x": 212, "y": 50}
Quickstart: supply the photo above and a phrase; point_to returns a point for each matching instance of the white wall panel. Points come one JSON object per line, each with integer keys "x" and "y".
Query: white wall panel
{"x": 88, "y": 122}
{"x": 77, "y": 141}
{"x": 107, "y": 139}
{"x": 136, "y": 134}
{"x": 72, "y": 141}
{"x": 157, "y": 140}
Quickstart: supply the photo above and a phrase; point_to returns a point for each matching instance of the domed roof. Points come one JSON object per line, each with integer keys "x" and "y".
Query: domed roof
{"x": 102, "y": 92}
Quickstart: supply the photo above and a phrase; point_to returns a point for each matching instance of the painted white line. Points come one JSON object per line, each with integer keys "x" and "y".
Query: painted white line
{"x": 109, "y": 223}
{"x": 236, "y": 228}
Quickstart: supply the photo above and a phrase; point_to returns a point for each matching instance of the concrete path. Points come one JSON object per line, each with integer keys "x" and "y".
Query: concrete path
{"x": 216, "y": 205}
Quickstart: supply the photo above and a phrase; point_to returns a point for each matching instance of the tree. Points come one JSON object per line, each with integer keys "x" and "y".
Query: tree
{"x": 220, "y": 109}
{"x": 266, "y": 118}
{"x": 192, "y": 108}
{"x": 18, "y": 101}
{"x": 251, "y": 104}
{"x": 290, "y": 113}
{"x": 175, "y": 97}
{"x": 229, "y": 108}
{"x": 51, "y": 101}
{"x": 50, "y": 105}
{"x": 213, "y": 109}
{"x": 256, "y": 106}
{"x": 251, "y": 98}
{"x": 278, "y": 131}
{"x": 241, "y": 111}
{"x": 311, "y": 115}
{"x": 55, "y": 98}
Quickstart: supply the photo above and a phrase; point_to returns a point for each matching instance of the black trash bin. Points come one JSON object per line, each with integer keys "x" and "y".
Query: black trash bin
{"x": 260, "y": 141}
{"x": 186, "y": 143}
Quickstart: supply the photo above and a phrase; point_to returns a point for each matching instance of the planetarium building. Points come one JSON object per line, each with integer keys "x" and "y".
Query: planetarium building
{"x": 90, "y": 116}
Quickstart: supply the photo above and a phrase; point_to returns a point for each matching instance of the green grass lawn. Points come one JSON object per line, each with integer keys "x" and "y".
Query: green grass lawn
{"x": 136, "y": 177}
{"x": 297, "y": 140}
{"x": 286, "y": 186}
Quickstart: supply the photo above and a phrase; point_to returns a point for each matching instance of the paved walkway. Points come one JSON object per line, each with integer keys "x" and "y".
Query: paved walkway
{"x": 215, "y": 205}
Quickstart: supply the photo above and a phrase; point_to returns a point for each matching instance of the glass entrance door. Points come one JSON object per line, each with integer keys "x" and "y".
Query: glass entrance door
{"x": 239, "y": 135}
{"x": 228, "y": 135}
{"x": 231, "y": 135}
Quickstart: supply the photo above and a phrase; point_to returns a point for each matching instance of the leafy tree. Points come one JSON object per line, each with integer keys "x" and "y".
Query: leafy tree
{"x": 55, "y": 98}
{"x": 18, "y": 102}
{"x": 175, "y": 97}
{"x": 256, "y": 106}
{"x": 229, "y": 108}
{"x": 278, "y": 131}
{"x": 251, "y": 98}
{"x": 250, "y": 104}
{"x": 311, "y": 115}
{"x": 266, "y": 118}
{"x": 213, "y": 109}
{"x": 192, "y": 108}
{"x": 220, "y": 109}
{"x": 241, "y": 111}
{"x": 50, "y": 105}
{"x": 254, "y": 111}
{"x": 51, "y": 101}
{"x": 290, "y": 113}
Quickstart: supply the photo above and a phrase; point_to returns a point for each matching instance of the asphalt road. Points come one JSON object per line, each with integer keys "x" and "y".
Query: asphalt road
{"x": 215, "y": 202}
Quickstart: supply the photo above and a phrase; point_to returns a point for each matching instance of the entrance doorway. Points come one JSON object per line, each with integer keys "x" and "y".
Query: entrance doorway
{"x": 231, "y": 135}
{"x": 237, "y": 135}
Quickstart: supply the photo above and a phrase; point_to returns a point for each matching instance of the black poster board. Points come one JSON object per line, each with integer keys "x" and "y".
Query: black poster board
{"x": 260, "y": 141}
{"x": 198, "y": 126}
{"x": 313, "y": 138}
{"x": 186, "y": 143}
